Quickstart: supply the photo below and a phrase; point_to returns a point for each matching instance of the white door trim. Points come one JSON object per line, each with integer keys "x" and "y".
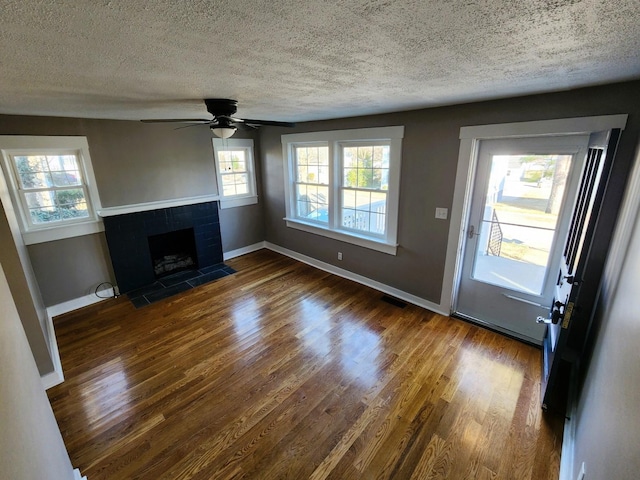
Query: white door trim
{"x": 470, "y": 136}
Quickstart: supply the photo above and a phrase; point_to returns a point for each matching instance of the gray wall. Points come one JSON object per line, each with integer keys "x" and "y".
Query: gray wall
{"x": 429, "y": 161}
{"x": 31, "y": 446}
{"x": 133, "y": 163}
{"x": 607, "y": 422}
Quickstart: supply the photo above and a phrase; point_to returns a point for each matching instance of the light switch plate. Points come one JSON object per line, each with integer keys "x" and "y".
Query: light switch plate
{"x": 442, "y": 213}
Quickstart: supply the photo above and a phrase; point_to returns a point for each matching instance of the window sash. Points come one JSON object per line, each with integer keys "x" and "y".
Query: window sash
{"x": 237, "y": 174}
{"x": 24, "y": 192}
{"x": 28, "y": 209}
{"x": 366, "y": 213}
{"x": 312, "y": 199}
{"x": 236, "y": 181}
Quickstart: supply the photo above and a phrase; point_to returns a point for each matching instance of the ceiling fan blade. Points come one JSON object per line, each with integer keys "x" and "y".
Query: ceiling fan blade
{"x": 176, "y": 120}
{"x": 257, "y": 123}
{"x": 195, "y": 125}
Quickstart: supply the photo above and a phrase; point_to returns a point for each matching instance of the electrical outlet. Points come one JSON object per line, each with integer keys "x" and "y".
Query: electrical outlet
{"x": 442, "y": 213}
{"x": 339, "y": 255}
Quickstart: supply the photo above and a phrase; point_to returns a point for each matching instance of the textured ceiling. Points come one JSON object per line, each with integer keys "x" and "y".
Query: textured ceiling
{"x": 299, "y": 60}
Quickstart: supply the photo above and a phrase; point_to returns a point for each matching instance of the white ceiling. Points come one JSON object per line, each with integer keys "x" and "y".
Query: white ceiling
{"x": 297, "y": 60}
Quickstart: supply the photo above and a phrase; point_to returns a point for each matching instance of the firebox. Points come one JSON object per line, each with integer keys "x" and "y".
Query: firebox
{"x": 173, "y": 252}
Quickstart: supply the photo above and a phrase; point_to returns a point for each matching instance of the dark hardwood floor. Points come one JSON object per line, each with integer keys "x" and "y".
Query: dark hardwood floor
{"x": 285, "y": 371}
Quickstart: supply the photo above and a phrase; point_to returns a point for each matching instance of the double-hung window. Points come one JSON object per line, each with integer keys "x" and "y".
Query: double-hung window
{"x": 52, "y": 186}
{"x": 345, "y": 184}
{"x": 235, "y": 171}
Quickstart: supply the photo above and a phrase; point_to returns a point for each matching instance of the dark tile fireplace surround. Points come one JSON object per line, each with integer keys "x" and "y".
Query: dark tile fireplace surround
{"x": 128, "y": 236}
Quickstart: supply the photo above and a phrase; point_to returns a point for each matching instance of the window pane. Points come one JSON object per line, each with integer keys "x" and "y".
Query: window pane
{"x": 301, "y": 191}
{"x": 365, "y": 157}
{"x": 33, "y": 171}
{"x": 301, "y": 155}
{"x": 44, "y": 215}
{"x": 241, "y": 178}
{"x": 228, "y": 179}
{"x": 238, "y": 158}
{"x": 377, "y": 223}
{"x": 348, "y": 198}
{"x": 379, "y": 202}
{"x": 225, "y": 166}
{"x": 348, "y": 218}
{"x": 35, "y": 180}
{"x": 312, "y": 165}
{"x": 350, "y": 177}
{"x": 71, "y": 204}
{"x": 40, "y": 171}
{"x": 323, "y": 175}
{"x": 519, "y": 220}
{"x": 40, "y": 199}
{"x": 366, "y": 167}
{"x": 56, "y": 205}
{"x": 65, "y": 178}
{"x": 349, "y": 155}
{"x": 355, "y": 219}
{"x": 364, "y": 211}
{"x": 363, "y": 200}
{"x": 311, "y": 202}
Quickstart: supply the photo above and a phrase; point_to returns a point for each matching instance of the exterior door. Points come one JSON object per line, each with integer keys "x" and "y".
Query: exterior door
{"x": 581, "y": 268}
{"x": 523, "y": 196}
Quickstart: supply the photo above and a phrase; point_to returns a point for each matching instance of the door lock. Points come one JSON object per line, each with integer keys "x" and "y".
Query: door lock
{"x": 471, "y": 232}
{"x": 556, "y": 314}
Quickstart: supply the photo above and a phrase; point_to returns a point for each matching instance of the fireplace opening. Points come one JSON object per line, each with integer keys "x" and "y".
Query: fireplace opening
{"x": 173, "y": 252}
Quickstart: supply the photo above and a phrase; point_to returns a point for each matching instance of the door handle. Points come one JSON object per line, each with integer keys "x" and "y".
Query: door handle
{"x": 556, "y": 314}
{"x": 471, "y": 232}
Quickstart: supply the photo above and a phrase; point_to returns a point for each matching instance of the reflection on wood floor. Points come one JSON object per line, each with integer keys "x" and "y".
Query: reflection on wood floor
{"x": 285, "y": 371}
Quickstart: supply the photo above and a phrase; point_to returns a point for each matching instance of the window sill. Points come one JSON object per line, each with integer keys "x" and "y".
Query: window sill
{"x": 238, "y": 202}
{"x": 63, "y": 231}
{"x": 378, "y": 245}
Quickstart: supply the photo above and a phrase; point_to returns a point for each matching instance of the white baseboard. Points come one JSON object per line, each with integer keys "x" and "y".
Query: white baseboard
{"x": 78, "y": 476}
{"x": 76, "y": 303}
{"x": 57, "y": 376}
{"x": 327, "y": 267}
{"x": 243, "y": 251}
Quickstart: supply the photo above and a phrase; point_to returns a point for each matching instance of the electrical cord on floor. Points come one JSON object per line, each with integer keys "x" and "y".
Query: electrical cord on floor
{"x": 115, "y": 295}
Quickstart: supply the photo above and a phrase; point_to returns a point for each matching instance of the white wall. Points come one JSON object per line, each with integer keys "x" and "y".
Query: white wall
{"x": 31, "y": 446}
{"x": 607, "y": 419}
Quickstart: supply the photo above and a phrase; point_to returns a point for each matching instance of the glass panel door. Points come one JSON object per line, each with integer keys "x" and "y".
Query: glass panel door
{"x": 519, "y": 220}
{"x": 523, "y": 195}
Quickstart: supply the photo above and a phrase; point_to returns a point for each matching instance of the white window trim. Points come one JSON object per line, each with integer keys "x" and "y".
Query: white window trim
{"x": 333, "y": 139}
{"x": 15, "y": 144}
{"x": 237, "y": 144}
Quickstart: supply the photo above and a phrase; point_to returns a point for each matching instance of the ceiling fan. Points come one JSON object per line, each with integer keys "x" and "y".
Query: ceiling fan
{"x": 223, "y": 124}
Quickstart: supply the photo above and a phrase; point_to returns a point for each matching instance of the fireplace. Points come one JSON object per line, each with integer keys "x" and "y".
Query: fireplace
{"x": 189, "y": 231}
{"x": 173, "y": 252}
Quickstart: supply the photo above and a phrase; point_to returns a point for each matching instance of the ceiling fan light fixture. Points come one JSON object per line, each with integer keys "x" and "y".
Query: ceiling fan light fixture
{"x": 224, "y": 132}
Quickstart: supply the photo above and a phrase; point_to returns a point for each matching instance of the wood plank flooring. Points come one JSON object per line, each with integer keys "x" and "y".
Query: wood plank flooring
{"x": 283, "y": 371}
